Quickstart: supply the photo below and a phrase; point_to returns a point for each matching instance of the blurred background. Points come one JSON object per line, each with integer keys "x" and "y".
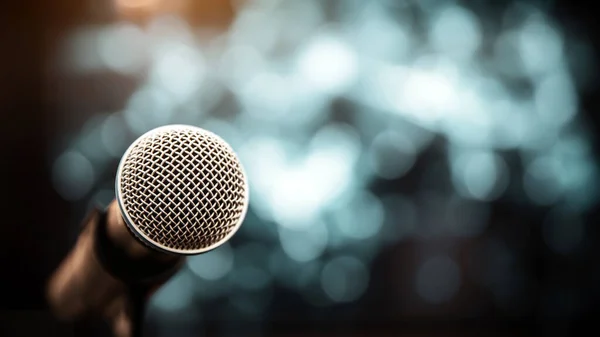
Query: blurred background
{"x": 417, "y": 168}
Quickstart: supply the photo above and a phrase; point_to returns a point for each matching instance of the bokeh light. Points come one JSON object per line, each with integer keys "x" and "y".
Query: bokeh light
{"x": 213, "y": 265}
{"x": 361, "y": 125}
{"x": 73, "y": 175}
{"x": 344, "y": 279}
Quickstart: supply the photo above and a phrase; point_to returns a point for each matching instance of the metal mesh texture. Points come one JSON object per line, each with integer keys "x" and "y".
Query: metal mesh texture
{"x": 183, "y": 188}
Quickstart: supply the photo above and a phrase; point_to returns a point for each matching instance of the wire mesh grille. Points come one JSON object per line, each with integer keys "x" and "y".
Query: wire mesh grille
{"x": 183, "y": 188}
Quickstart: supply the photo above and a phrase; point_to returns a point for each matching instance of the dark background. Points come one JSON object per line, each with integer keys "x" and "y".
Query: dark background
{"x": 34, "y": 231}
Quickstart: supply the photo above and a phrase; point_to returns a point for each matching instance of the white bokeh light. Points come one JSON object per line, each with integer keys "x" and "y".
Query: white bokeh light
{"x": 73, "y": 175}
{"x": 148, "y": 108}
{"x": 540, "y": 46}
{"x": 329, "y": 63}
{"x": 176, "y": 296}
{"x": 178, "y": 68}
{"x": 212, "y": 265}
{"x": 541, "y": 182}
{"x": 392, "y": 154}
{"x": 82, "y": 50}
{"x": 304, "y": 188}
{"x": 345, "y": 279}
{"x": 304, "y": 244}
{"x": 480, "y": 175}
{"x": 361, "y": 217}
{"x": 456, "y": 32}
{"x": 556, "y": 98}
{"x": 124, "y": 48}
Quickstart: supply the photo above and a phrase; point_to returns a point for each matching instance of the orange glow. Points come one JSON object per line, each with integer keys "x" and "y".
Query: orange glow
{"x": 216, "y": 13}
{"x": 149, "y": 7}
{"x": 138, "y": 3}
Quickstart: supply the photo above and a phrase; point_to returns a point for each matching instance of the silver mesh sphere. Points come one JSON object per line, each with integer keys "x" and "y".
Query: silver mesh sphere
{"x": 182, "y": 189}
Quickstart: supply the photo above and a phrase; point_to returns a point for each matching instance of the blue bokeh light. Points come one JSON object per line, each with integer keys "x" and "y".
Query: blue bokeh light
{"x": 332, "y": 111}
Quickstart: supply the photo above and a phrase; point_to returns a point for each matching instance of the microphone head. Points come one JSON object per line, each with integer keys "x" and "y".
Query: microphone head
{"x": 182, "y": 190}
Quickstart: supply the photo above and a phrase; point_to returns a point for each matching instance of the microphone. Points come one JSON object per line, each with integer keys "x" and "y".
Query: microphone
{"x": 179, "y": 190}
